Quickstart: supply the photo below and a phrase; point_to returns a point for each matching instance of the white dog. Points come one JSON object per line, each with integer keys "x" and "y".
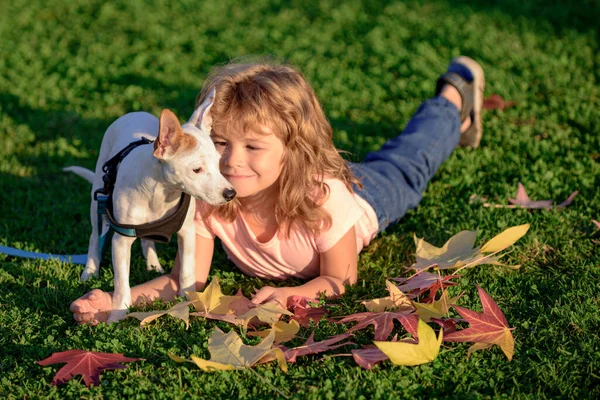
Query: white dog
{"x": 149, "y": 187}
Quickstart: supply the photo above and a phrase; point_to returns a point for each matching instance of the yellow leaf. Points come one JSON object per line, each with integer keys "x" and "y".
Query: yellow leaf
{"x": 269, "y": 313}
{"x": 396, "y": 300}
{"x": 437, "y": 309}
{"x": 409, "y": 354}
{"x": 227, "y": 352}
{"x": 212, "y": 299}
{"x": 505, "y": 239}
{"x": 284, "y": 332}
{"x": 181, "y": 311}
{"x": 458, "y": 249}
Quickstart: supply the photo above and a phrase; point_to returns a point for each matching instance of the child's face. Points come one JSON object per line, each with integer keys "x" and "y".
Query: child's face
{"x": 251, "y": 162}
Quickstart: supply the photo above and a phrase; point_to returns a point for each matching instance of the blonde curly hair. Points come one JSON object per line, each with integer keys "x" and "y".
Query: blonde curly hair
{"x": 263, "y": 93}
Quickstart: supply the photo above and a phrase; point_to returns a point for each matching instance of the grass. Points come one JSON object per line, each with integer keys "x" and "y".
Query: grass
{"x": 68, "y": 69}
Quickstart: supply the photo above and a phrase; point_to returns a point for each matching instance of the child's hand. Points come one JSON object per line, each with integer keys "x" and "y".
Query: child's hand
{"x": 270, "y": 294}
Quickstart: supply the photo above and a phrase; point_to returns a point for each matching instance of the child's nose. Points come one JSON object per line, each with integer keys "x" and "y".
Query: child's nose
{"x": 233, "y": 157}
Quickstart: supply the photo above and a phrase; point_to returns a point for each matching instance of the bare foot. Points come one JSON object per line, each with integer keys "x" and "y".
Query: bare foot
{"x": 92, "y": 308}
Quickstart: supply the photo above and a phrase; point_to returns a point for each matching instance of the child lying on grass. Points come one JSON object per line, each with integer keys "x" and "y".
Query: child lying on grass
{"x": 301, "y": 210}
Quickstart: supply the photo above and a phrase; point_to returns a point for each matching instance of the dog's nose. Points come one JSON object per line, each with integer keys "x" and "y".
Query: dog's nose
{"x": 229, "y": 194}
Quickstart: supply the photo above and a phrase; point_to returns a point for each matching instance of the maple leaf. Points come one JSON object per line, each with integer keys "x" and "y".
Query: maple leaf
{"x": 426, "y": 281}
{"x": 505, "y": 239}
{"x": 496, "y": 102}
{"x": 219, "y": 317}
{"x": 212, "y": 300}
{"x": 457, "y": 251}
{"x": 284, "y": 331}
{"x": 180, "y": 311}
{"x": 425, "y": 351}
{"x": 268, "y": 313}
{"x": 437, "y": 309}
{"x": 383, "y": 322}
{"x": 485, "y": 329}
{"x": 395, "y": 301}
{"x": 303, "y": 312}
{"x": 448, "y": 324}
{"x": 312, "y": 347}
{"x": 368, "y": 356}
{"x": 228, "y": 352}
{"x": 523, "y": 200}
{"x": 89, "y": 364}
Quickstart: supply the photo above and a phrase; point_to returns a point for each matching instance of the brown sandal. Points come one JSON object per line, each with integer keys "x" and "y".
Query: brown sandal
{"x": 466, "y": 75}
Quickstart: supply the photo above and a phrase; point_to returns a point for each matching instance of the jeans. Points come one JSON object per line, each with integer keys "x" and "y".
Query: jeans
{"x": 395, "y": 176}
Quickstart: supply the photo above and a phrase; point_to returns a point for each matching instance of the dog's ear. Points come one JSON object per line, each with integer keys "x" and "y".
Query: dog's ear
{"x": 201, "y": 118}
{"x": 170, "y": 135}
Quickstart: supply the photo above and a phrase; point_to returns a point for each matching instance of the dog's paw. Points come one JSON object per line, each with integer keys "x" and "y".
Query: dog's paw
{"x": 154, "y": 266}
{"x": 116, "y": 316}
{"x": 85, "y": 275}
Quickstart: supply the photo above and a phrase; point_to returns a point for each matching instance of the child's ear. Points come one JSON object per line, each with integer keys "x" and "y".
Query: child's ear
{"x": 169, "y": 135}
{"x": 201, "y": 118}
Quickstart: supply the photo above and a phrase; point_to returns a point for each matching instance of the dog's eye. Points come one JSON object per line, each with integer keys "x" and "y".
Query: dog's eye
{"x": 197, "y": 170}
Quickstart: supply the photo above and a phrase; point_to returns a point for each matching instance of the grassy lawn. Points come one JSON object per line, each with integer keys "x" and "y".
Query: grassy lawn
{"x": 68, "y": 69}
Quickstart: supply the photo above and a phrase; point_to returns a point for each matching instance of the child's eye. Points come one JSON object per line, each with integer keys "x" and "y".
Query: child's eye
{"x": 221, "y": 144}
{"x": 250, "y": 147}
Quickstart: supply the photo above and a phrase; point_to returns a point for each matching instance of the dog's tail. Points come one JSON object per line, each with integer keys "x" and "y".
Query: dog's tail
{"x": 85, "y": 173}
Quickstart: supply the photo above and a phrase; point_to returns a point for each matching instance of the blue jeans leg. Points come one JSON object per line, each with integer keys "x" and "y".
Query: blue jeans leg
{"x": 395, "y": 176}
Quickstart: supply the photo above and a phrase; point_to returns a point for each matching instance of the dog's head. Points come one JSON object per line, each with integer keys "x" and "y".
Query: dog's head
{"x": 188, "y": 156}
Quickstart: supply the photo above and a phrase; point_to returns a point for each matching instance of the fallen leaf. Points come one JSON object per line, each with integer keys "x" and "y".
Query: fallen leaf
{"x": 437, "y": 309}
{"x": 312, "y": 347}
{"x": 395, "y": 301}
{"x": 368, "y": 356}
{"x": 89, "y": 364}
{"x": 284, "y": 331}
{"x": 408, "y": 354}
{"x": 212, "y": 300}
{"x": 303, "y": 311}
{"x": 219, "y": 317}
{"x": 457, "y": 251}
{"x": 180, "y": 311}
{"x": 425, "y": 281}
{"x": 496, "y": 102}
{"x": 383, "y": 322}
{"x": 449, "y": 324}
{"x": 228, "y": 352}
{"x": 505, "y": 239}
{"x": 523, "y": 200}
{"x": 268, "y": 313}
{"x": 489, "y": 327}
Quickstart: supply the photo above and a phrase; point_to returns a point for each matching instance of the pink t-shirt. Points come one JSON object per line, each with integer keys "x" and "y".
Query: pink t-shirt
{"x": 298, "y": 255}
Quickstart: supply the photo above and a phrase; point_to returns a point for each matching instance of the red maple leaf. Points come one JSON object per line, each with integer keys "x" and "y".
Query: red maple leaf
{"x": 87, "y": 363}
{"x": 303, "y": 311}
{"x": 496, "y": 102}
{"x": 368, "y": 356}
{"x": 523, "y": 200}
{"x": 485, "y": 329}
{"x": 423, "y": 282}
{"x": 383, "y": 322}
{"x": 312, "y": 347}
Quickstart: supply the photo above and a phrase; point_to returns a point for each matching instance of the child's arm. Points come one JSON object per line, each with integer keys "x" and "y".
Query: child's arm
{"x": 338, "y": 267}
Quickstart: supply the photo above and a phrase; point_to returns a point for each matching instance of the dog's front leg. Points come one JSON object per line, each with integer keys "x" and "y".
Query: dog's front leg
{"x": 121, "y": 257}
{"x": 186, "y": 241}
